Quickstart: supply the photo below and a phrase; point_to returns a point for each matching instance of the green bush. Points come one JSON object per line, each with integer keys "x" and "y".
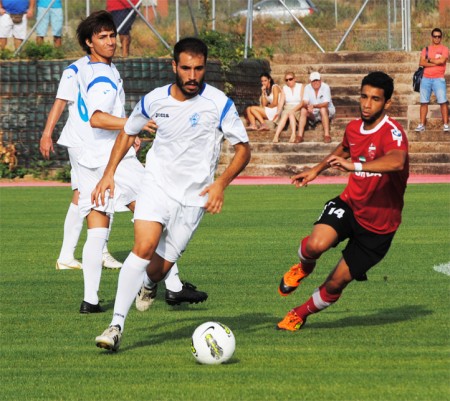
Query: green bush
{"x": 44, "y": 51}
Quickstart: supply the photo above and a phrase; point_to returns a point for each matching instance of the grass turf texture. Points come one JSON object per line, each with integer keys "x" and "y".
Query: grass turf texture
{"x": 386, "y": 339}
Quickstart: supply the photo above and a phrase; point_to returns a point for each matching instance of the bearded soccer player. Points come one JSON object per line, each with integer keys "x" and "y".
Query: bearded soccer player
{"x": 374, "y": 151}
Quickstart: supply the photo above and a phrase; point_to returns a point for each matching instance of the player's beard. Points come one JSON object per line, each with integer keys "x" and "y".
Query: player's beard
{"x": 371, "y": 119}
{"x": 186, "y": 93}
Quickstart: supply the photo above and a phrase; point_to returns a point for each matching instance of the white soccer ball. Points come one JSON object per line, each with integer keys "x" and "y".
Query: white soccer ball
{"x": 213, "y": 343}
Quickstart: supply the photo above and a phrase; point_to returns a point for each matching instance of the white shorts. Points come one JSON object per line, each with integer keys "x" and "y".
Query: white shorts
{"x": 271, "y": 112}
{"x": 74, "y": 155}
{"x": 127, "y": 179}
{"x": 179, "y": 222}
{"x": 9, "y": 29}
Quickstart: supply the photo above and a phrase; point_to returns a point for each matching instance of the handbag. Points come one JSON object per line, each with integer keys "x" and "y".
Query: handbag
{"x": 418, "y": 75}
{"x": 16, "y": 18}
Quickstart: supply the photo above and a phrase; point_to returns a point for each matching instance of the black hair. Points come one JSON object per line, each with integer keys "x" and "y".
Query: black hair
{"x": 267, "y": 75}
{"x": 381, "y": 80}
{"x": 436, "y": 30}
{"x": 190, "y": 45}
{"x": 95, "y": 23}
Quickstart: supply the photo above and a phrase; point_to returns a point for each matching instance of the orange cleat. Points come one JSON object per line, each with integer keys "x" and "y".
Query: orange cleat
{"x": 291, "y": 280}
{"x": 291, "y": 322}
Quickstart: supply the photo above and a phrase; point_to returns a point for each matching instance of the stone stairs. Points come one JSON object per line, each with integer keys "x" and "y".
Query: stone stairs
{"x": 429, "y": 151}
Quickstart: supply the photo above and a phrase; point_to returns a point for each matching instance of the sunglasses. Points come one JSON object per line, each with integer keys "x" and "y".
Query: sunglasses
{"x": 437, "y": 36}
{"x": 289, "y": 79}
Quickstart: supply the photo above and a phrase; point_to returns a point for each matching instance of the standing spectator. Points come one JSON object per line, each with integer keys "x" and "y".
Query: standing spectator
{"x": 54, "y": 17}
{"x": 291, "y": 97}
{"x": 434, "y": 79}
{"x": 368, "y": 212}
{"x": 268, "y": 108}
{"x": 14, "y": 15}
{"x": 317, "y": 106}
{"x": 120, "y": 10}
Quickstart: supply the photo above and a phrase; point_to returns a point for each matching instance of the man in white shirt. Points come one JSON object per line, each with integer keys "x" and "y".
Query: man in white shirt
{"x": 178, "y": 186}
{"x": 317, "y": 106}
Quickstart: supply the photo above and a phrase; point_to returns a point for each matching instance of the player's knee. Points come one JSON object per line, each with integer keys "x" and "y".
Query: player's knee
{"x": 144, "y": 249}
{"x": 315, "y": 246}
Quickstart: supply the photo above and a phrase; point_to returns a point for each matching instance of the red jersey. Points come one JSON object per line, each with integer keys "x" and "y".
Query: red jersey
{"x": 375, "y": 198}
{"x": 115, "y": 5}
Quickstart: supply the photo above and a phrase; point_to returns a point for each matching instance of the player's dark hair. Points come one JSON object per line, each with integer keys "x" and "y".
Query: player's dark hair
{"x": 436, "y": 30}
{"x": 381, "y": 80}
{"x": 190, "y": 45}
{"x": 95, "y": 23}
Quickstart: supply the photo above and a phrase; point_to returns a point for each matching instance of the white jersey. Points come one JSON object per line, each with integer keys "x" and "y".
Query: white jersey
{"x": 75, "y": 128}
{"x": 323, "y": 95}
{"x": 292, "y": 97}
{"x": 101, "y": 89}
{"x": 186, "y": 150}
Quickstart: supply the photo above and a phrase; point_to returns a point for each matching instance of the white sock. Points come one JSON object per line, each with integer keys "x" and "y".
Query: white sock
{"x": 130, "y": 282}
{"x": 73, "y": 225}
{"x": 111, "y": 218}
{"x": 92, "y": 263}
{"x": 172, "y": 280}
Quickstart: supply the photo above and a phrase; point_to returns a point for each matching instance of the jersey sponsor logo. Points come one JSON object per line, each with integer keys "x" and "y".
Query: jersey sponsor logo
{"x": 161, "y": 115}
{"x": 364, "y": 174}
{"x": 397, "y": 136}
{"x": 194, "y": 119}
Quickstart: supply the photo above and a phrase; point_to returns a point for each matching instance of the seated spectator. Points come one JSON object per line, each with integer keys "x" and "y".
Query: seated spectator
{"x": 291, "y": 97}
{"x": 268, "y": 109}
{"x": 54, "y": 17}
{"x": 316, "y": 106}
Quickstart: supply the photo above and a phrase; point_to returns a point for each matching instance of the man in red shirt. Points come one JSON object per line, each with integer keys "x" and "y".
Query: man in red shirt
{"x": 374, "y": 151}
{"x": 434, "y": 62}
{"x": 122, "y": 11}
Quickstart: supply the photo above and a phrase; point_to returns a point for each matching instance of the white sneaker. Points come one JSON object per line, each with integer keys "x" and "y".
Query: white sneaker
{"x": 145, "y": 298}
{"x": 72, "y": 265}
{"x": 420, "y": 128}
{"x": 109, "y": 262}
{"x": 446, "y": 128}
{"x": 110, "y": 338}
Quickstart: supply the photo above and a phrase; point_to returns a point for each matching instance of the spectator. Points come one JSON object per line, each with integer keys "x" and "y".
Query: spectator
{"x": 14, "y": 15}
{"x": 268, "y": 109}
{"x": 317, "y": 106}
{"x": 120, "y": 10}
{"x": 291, "y": 97}
{"x": 54, "y": 17}
{"x": 434, "y": 79}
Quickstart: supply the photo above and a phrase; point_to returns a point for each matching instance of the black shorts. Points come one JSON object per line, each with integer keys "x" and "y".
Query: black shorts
{"x": 364, "y": 248}
{"x": 119, "y": 16}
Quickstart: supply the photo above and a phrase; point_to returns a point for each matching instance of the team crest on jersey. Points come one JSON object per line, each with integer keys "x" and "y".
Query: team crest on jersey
{"x": 194, "y": 119}
{"x": 372, "y": 151}
{"x": 397, "y": 136}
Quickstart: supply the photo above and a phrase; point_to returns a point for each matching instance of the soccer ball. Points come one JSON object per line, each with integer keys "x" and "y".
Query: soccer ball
{"x": 213, "y": 343}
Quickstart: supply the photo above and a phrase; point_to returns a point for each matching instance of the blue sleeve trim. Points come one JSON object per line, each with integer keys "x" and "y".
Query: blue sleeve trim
{"x": 73, "y": 67}
{"x": 143, "y": 108}
{"x": 101, "y": 79}
{"x": 225, "y": 111}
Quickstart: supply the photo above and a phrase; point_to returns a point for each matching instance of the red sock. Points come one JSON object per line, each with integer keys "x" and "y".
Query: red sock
{"x": 308, "y": 262}
{"x": 319, "y": 300}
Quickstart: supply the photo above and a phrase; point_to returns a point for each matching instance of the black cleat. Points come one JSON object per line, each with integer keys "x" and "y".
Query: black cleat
{"x": 189, "y": 294}
{"x": 86, "y": 307}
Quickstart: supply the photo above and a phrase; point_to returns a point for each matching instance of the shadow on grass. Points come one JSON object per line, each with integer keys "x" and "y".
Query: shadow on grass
{"x": 378, "y": 318}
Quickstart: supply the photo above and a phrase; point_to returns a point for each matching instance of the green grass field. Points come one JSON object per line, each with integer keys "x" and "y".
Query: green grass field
{"x": 386, "y": 339}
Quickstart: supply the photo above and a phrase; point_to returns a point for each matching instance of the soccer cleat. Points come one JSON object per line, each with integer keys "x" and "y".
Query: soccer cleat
{"x": 291, "y": 280}
{"x": 145, "y": 298}
{"x": 188, "y": 293}
{"x": 291, "y": 322}
{"x": 86, "y": 307}
{"x": 73, "y": 265}
{"x": 420, "y": 128}
{"x": 110, "y": 338}
{"x": 446, "y": 128}
{"x": 109, "y": 262}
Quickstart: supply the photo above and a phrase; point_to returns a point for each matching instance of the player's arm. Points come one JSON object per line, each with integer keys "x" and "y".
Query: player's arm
{"x": 100, "y": 119}
{"x": 393, "y": 160}
{"x": 302, "y": 179}
{"x": 216, "y": 190}
{"x": 46, "y": 142}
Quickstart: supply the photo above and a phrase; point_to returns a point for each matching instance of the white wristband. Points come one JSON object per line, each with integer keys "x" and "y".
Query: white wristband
{"x": 358, "y": 167}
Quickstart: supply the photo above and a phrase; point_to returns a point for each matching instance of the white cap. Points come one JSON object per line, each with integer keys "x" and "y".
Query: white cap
{"x": 314, "y": 76}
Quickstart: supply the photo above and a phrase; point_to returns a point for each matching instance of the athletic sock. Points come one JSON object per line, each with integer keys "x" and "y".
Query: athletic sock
{"x": 92, "y": 263}
{"x": 130, "y": 282}
{"x": 172, "y": 280}
{"x": 111, "y": 218}
{"x": 308, "y": 262}
{"x": 319, "y": 300}
{"x": 73, "y": 225}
